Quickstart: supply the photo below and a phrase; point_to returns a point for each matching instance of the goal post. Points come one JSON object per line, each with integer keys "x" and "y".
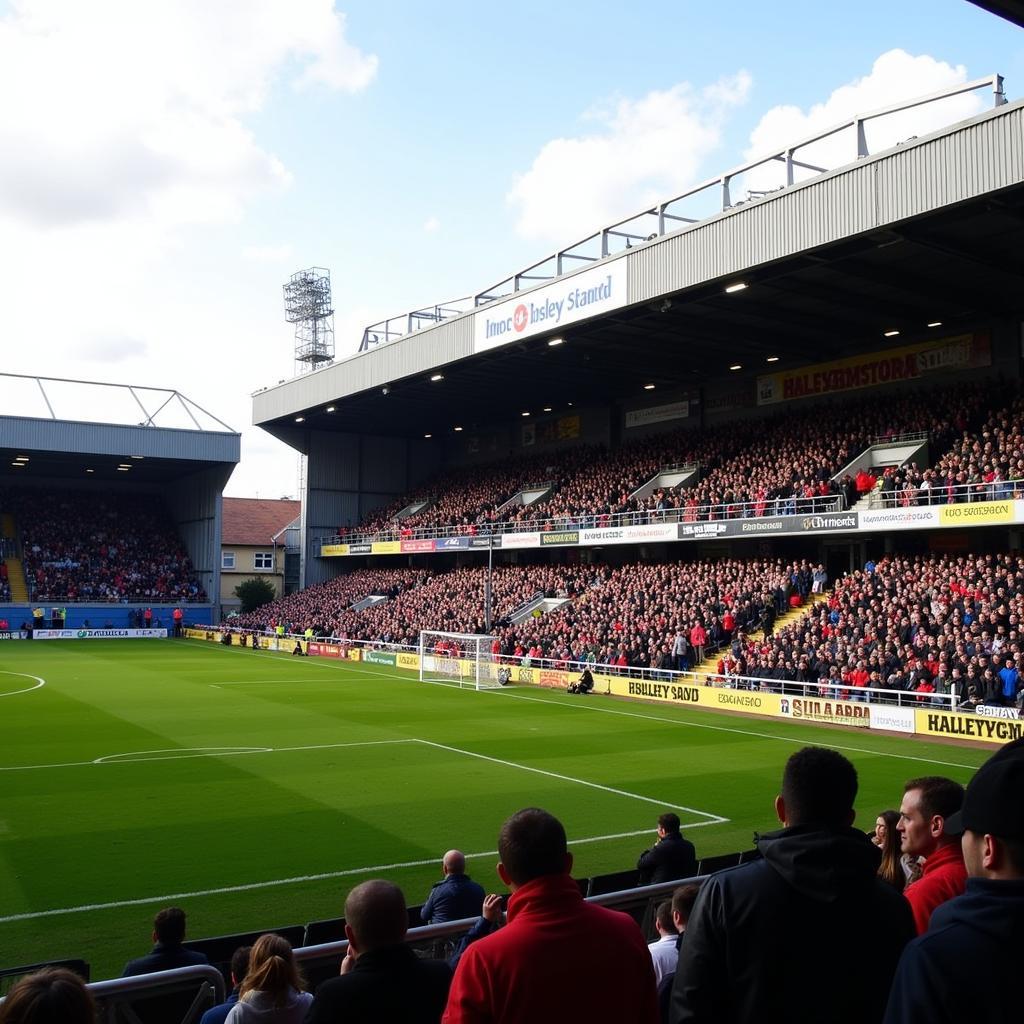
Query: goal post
{"x": 459, "y": 659}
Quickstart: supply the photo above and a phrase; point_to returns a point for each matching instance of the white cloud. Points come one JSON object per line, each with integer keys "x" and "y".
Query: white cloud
{"x": 895, "y": 76}
{"x": 134, "y": 109}
{"x": 431, "y": 224}
{"x": 641, "y": 151}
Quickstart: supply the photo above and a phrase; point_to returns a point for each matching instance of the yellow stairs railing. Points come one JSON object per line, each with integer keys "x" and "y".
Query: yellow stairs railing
{"x": 709, "y": 666}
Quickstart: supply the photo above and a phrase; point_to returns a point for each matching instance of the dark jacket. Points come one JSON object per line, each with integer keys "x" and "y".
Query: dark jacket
{"x": 387, "y": 985}
{"x": 452, "y": 899}
{"x": 762, "y": 939}
{"x": 963, "y": 967}
{"x": 668, "y": 860}
{"x": 163, "y": 958}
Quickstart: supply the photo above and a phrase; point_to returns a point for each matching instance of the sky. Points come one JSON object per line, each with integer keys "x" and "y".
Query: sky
{"x": 166, "y": 165}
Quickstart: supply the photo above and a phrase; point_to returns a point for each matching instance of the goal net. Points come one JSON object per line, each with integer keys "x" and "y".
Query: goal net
{"x": 460, "y": 659}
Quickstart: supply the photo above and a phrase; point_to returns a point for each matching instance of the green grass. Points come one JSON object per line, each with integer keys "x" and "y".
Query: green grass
{"x": 336, "y": 796}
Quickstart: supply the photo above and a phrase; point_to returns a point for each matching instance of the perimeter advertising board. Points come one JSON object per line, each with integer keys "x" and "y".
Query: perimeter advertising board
{"x": 99, "y": 634}
{"x": 968, "y": 727}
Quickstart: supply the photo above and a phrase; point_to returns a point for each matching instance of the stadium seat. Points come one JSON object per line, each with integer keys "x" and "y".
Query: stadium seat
{"x": 614, "y": 882}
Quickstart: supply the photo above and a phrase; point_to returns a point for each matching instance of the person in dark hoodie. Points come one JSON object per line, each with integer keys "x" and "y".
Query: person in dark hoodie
{"x": 763, "y": 938}
{"x": 962, "y": 967}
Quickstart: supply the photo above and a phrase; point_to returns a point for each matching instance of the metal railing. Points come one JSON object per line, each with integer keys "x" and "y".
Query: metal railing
{"x": 772, "y": 173}
{"x": 698, "y": 513}
{"x": 114, "y": 998}
{"x": 908, "y": 437}
{"x": 960, "y": 494}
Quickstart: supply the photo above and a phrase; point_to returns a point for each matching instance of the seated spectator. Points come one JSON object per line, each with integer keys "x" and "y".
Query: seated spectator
{"x": 381, "y": 977}
{"x": 557, "y": 958}
{"x": 672, "y": 857}
{"x": 456, "y": 896}
{"x": 982, "y": 930}
{"x": 665, "y": 951}
{"x": 927, "y": 803}
{"x": 168, "y": 952}
{"x": 49, "y": 996}
{"x": 239, "y": 969}
{"x": 886, "y": 837}
{"x": 816, "y": 888}
{"x": 272, "y": 990}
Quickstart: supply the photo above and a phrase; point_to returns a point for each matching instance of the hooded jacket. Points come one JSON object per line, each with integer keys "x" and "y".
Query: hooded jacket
{"x": 963, "y": 968}
{"x": 809, "y": 933}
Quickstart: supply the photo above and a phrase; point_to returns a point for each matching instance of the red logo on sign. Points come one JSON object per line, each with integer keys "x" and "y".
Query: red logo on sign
{"x": 520, "y": 318}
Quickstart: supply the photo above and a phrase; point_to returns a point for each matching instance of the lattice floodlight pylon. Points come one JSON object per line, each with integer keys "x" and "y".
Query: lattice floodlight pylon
{"x": 459, "y": 659}
{"x": 307, "y": 304}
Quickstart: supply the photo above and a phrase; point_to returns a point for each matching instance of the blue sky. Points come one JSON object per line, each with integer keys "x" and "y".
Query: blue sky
{"x": 169, "y": 163}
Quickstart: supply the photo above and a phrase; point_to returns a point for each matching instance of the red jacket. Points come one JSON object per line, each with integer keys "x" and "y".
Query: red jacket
{"x": 944, "y": 877}
{"x": 558, "y": 959}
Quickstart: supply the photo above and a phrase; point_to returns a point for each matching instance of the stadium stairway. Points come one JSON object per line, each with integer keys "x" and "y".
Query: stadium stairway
{"x": 16, "y": 579}
{"x": 709, "y": 666}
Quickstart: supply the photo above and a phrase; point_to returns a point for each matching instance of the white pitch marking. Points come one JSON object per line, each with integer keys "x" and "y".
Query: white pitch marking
{"x": 299, "y": 879}
{"x": 714, "y": 818}
{"x": 179, "y": 753}
{"x": 583, "y": 705}
{"x": 24, "y": 675}
{"x": 133, "y": 758}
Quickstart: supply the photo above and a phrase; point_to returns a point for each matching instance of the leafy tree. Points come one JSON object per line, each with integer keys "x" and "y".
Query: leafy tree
{"x": 254, "y": 592}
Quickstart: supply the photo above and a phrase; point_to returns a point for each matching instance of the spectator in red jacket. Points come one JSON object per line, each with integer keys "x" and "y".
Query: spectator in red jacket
{"x": 927, "y": 803}
{"x": 557, "y": 958}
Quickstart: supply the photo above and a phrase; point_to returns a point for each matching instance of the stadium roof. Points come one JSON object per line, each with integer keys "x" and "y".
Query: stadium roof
{"x": 924, "y": 232}
{"x": 1011, "y": 10}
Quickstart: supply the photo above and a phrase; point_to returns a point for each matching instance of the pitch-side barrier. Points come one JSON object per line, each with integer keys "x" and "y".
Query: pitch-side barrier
{"x": 816, "y": 703}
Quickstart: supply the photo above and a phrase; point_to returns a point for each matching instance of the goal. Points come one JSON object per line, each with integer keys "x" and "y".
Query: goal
{"x": 461, "y": 659}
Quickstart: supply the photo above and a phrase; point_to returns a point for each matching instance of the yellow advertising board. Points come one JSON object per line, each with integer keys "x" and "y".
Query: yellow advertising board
{"x": 327, "y": 550}
{"x": 977, "y": 513}
{"x": 911, "y": 362}
{"x": 386, "y": 547}
{"x": 408, "y": 661}
{"x": 355, "y": 654}
{"x": 968, "y": 727}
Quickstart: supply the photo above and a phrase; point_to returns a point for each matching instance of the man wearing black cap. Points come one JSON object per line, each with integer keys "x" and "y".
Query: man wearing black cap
{"x": 962, "y": 967}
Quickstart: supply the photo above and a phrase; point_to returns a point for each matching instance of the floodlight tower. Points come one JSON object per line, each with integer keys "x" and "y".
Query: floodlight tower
{"x": 307, "y": 304}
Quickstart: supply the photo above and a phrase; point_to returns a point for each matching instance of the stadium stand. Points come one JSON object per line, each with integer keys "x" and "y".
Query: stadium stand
{"x": 111, "y": 549}
{"x": 942, "y": 624}
{"x": 782, "y": 465}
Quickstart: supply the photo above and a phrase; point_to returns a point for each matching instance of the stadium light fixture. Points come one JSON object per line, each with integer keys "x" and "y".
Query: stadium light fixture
{"x": 458, "y": 430}
{"x": 736, "y": 366}
{"x": 935, "y": 323}
{"x": 547, "y": 408}
{"x": 739, "y": 286}
{"x": 526, "y": 412}
{"x": 123, "y": 465}
{"x": 138, "y": 458}
{"x": 300, "y": 419}
{"x": 21, "y": 458}
{"x": 18, "y": 465}
{"x": 648, "y": 387}
{"x": 330, "y": 408}
{"x": 428, "y": 435}
{"x": 435, "y": 377}
{"x": 552, "y": 342}
{"x": 891, "y": 334}
{"x": 123, "y": 469}
{"x": 90, "y": 471}
{"x": 772, "y": 359}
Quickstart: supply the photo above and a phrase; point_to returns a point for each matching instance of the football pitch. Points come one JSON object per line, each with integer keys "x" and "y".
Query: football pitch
{"x": 255, "y": 789}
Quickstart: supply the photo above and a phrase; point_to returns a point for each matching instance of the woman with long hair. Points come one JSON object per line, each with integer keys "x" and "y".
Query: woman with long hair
{"x": 887, "y": 839}
{"x": 52, "y": 994}
{"x": 271, "y": 992}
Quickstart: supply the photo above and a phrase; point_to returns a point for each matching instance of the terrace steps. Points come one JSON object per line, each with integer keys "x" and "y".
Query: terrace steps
{"x": 16, "y": 579}
{"x": 709, "y": 666}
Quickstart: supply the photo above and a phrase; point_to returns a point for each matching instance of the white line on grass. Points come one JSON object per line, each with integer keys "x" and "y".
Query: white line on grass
{"x": 299, "y": 879}
{"x": 585, "y": 705}
{"x": 714, "y": 819}
{"x": 24, "y": 675}
{"x": 133, "y": 757}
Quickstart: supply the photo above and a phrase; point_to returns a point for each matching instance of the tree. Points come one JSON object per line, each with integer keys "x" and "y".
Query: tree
{"x": 254, "y": 592}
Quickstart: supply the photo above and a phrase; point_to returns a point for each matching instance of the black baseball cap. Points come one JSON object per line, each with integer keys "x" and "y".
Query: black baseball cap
{"x": 993, "y": 803}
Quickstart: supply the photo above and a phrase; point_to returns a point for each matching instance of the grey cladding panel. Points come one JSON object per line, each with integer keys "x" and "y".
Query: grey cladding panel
{"x": 333, "y": 461}
{"x": 384, "y": 464}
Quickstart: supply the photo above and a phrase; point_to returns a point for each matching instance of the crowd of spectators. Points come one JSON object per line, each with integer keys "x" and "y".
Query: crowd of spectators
{"x": 982, "y": 464}
{"x": 779, "y": 465}
{"x": 639, "y": 615}
{"x": 929, "y": 624}
{"x": 5, "y": 585}
{"x": 84, "y": 546}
